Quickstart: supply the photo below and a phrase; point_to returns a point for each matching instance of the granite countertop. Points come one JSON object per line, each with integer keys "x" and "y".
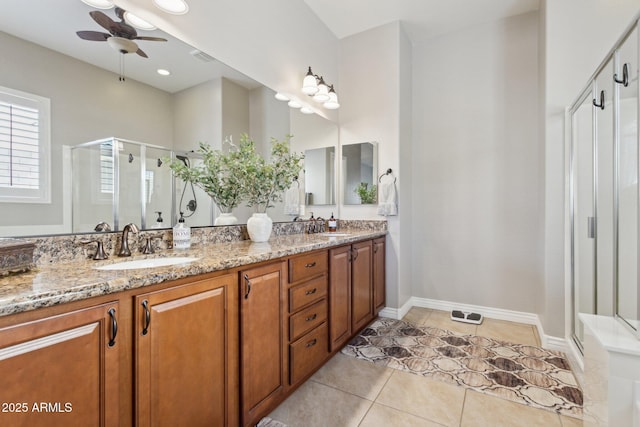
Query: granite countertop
{"x": 58, "y": 283}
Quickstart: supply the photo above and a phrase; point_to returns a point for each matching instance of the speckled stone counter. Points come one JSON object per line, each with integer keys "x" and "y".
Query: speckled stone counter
{"x": 53, "y": 283}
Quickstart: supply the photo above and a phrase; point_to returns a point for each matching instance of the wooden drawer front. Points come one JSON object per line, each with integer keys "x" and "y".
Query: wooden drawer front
{"x": 311, "y": 291}
{"x": 309, "y": 352}
{"x": 302, "y": 322}
{"x": 305, "y": 266}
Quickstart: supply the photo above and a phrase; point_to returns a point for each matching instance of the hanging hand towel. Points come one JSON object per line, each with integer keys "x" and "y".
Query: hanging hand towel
{"x": 388, "y": 199}
{"x": 292, "y": 201}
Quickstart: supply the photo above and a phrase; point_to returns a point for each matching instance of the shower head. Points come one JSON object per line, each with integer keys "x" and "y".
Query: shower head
{"x": 184, "y": 159}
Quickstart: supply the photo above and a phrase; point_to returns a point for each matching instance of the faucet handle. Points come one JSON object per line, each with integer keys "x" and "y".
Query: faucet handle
{"x": 100, "y": 253}
{"x": 148, "y": 246}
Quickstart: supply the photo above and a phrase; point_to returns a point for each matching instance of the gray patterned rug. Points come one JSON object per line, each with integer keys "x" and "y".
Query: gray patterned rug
{"x": 268, "y": 422}
{"x": 521, "y": 373}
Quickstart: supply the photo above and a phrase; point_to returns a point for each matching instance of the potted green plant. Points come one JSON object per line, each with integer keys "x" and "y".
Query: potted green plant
{"x": 219, "y": 175}
{"x": 367, "y": 195}
{"x": 265, "y": 181}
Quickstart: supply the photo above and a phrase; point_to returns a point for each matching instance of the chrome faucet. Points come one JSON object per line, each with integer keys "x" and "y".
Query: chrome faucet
{"x": 124, "y": 247}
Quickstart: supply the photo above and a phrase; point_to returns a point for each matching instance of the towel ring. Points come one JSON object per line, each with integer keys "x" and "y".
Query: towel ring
{"x": 388, "y": 172}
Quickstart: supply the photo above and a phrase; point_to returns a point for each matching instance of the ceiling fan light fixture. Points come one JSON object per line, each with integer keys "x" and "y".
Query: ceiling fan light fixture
{"x": 99, "y": 4}
{"x": 174, "y": 7}
{"x": 138, "y": 23}
{"x": 122, "y": 45}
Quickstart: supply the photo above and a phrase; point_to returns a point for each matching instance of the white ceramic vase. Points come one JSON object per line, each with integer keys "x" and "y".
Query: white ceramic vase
{"x": 226, "y": 218}
{"x": 259, "y": 227}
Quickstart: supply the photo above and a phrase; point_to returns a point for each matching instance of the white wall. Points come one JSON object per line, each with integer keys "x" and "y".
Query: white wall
{"x": 478, "y": 167}
{"x": 579, "y": 34}
{"x": 372, "y": 74}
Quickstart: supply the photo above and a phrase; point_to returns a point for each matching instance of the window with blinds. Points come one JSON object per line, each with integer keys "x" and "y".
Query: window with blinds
{"x": 24, "y": 147}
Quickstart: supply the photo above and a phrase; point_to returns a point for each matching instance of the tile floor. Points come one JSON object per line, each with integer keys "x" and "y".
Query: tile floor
{"x": 350, "y": 392}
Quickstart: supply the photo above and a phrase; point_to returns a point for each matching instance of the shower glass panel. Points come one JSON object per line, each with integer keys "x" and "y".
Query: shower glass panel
{"x": 583, "y": 225}
{"x": 129, "y": 192}
{"x": 605, "y": 254}
{"x": 158, "y": 182}
{"x": 628, "y": 304}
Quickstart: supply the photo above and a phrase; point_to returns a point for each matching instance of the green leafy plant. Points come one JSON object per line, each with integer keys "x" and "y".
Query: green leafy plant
{"x": 264, "y": 181}
{"x": 367, "y": 195}
{"x": 219, "y": 175}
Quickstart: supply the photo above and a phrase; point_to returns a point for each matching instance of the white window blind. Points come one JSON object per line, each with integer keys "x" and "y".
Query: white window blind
{"x": 24, "y": 147}
{"x": 106, "y": 167}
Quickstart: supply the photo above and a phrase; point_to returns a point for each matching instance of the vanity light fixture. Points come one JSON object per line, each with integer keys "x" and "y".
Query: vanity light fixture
{"x": 174, "y": 7}
{"x": 306, "y": 110}
{"x": 281, "y": 97}
{"x": 315, "y": 86}
{"x": 99, "y": 4}
{"x": 294, "y": 104}
{"x": 163, "y": 72}
{"x": 138, "y": 23}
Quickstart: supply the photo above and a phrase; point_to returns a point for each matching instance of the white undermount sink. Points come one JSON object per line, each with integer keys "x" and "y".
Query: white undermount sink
{"x": 334, "y": 234}
{"x": 147, "y": 263}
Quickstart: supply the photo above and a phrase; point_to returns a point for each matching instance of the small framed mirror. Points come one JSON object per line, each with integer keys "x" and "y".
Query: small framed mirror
{"x": 359, "y": 170}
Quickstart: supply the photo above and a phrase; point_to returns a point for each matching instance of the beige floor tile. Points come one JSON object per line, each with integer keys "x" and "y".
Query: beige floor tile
{"x": 484, "y": 410}
{"x": 423, "y": 397}
{"x": 517, "y": 333}
{"x": 417, "y": 315}
{"x": 442, "y": 319}
{"x": 354, "y": 376}
{"x": 317, "y": 405}
{"x": 384, "y": 416}
{"x": 570, "y": 421}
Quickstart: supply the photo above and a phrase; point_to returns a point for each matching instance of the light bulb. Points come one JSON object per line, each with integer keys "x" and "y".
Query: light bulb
{"x": 332, "y": 103}
{"x": 309, "y": 84}
{"x": 323, "y": 92}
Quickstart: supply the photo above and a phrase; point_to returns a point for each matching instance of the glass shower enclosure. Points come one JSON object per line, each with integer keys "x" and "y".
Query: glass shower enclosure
{"x": 120, "y": 181}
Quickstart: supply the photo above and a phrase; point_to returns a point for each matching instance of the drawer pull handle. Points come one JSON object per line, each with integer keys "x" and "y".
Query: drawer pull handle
{"x": 311, "y": 292}
{"x": 114, "y": 327}
{"x": 310, "y": 318}
{"x": 147, "y": 317}
{"x": 312, "y": 342}
{"x": 310, "y": 264}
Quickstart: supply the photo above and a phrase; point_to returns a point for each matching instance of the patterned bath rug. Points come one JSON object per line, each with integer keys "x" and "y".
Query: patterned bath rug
{"x": 268, "y": 422}
{"x": 521, "y": 373}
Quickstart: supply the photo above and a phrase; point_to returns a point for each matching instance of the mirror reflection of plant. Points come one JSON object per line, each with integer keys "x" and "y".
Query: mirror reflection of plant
{"x": 367, "y": 195}
{"x": 265, "y": 182}
{"x": 219, "y": 175}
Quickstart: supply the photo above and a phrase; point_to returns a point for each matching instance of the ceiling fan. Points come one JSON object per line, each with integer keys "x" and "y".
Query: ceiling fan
{"x": 121, "y": 35}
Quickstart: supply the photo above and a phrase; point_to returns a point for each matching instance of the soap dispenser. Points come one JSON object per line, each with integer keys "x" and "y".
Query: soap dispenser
{"x": 181, "y": 234}
{"x": 158, "y": 223}
{"x": 333, "y": 224}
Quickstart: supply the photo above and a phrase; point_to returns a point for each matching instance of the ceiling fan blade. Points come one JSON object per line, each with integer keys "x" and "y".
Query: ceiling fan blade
{"x": 95, "y": 36}
{"x": 153, "y": 39}
{"x": 141, "y": 53}
{"x": 103, "y": 20}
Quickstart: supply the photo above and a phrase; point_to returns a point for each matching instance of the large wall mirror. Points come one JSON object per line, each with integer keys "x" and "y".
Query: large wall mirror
{"x": 359, "y": 170}
{"x": 201, "y": 100}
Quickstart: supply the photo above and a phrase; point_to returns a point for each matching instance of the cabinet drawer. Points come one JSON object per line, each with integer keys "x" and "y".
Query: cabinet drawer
{"x": 308, "y": 292}
{"x": 302, "y": 322}
{"x": 309, "y": 352}
{"x": 309, "y": 265}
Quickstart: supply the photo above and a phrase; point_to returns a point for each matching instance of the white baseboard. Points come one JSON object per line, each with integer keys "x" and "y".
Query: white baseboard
{"x": 549, "y": 342}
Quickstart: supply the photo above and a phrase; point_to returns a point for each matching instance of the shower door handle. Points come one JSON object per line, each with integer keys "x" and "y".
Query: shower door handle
{"x": 591, "y": 227}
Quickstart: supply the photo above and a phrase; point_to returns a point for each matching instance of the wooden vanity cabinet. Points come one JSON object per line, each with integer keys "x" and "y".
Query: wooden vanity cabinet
{"x": 351, "y": 291}
{"x": 308, "y": 314}
{"x": 186, "y": 354}
{"x": 62, "y": 370}
{"x": 263, "y": 332}
{"x": 379, "y": 280}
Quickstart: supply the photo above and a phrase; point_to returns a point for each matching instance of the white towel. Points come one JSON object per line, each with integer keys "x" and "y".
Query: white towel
{"x": 388, "y": 199}
{"x": 292, "y": 201}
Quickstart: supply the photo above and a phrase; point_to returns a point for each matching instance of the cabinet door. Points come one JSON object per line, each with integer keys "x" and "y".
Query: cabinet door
{"x": 264, "y": 358}
{"x": 361, "y": 285}
{"x": 378, "y": 274}
{"x": 339, "y": 296}
{"x": 61, "y": 370}
{"x": 186, "y": 344}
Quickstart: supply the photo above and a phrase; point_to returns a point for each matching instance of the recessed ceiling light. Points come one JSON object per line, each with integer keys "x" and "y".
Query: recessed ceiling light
{"x": 175, "y": 7}
{"x": 164, "y": 72}
{"x": 281, "y": 97}
{"x": 138, "y": 23}
{"x": 294, "y": 104}
{"x": 306, "y": 110}
{"x": 99, "y": 4}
